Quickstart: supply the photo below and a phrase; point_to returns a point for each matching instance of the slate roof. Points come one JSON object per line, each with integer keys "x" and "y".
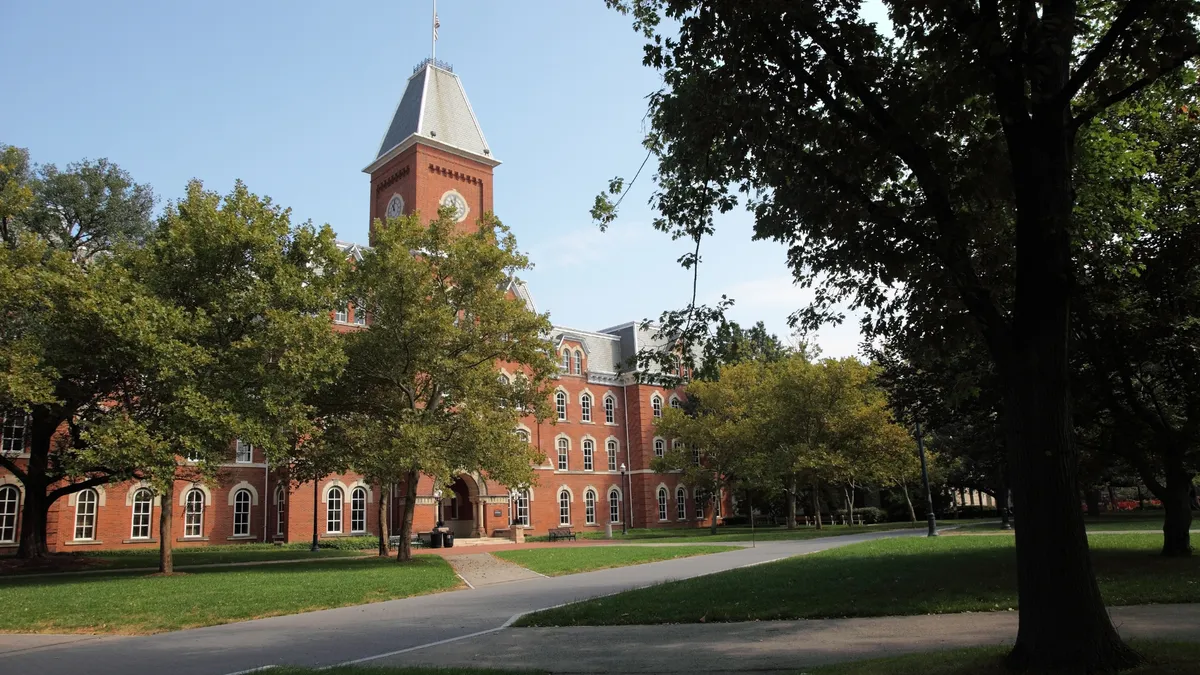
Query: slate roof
{"x": 435, "y": 109}
{"x": 604, "y": 354}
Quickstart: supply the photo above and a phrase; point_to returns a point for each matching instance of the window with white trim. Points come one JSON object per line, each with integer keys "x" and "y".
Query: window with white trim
{"x": 614, "y": 506}
{"x": 675, "y": 402}
{"x": 564, "y": 446}
{"x": 717, "y": 505}
{"x": 241, "y": 513}
{"x": 578, "y": 362}
{"x": 662, "y": 504}
{"x": 85, "y": 514}
{"x": 193, "y": 514}
{"x": 360, "y": 315}
{"x": 12, "y": 432}
{"x": 681, "y": 503}
{"x": 333, "y": 511}
{"x": 504, "y": 380}
{"x": 10, "y": 502}
{"x": 358, "y": 510}
{"x": 585, "y": 408}
{"x": 660, "y": 447}
{"x": 560, "y": 405}
{"x": 589, "y": 506}
{"x": 143, "y": 505}
{"x": 341, "y": 315}
{"x": 280, "y": 513}
{"x": 564, "y": 507}
{"x": 698, "y": 496}
{"x": 523, "y": 435}
{"x": 567, "y": 360}
{"x": 610, "y": 409}
{"x": 656, "y": 405}
{"x": 696, "y": 456}
{"x": 612, "y": 454}
{"x": 245, "y": 452}
{"x": 523, "y": 508}
{"x": 589, "y": 449}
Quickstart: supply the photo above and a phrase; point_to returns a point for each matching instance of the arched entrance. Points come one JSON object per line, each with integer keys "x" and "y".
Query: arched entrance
{"x": 462, "y": 508}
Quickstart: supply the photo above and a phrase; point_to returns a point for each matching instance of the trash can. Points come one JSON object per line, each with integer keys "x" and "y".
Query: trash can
{"x": 448, "y": 538}
{"x": 435, "y": 539}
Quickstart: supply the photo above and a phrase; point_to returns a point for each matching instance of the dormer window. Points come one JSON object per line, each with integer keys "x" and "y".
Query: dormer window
{"x": 567, "y": 360}
{"x": 578, "y": 362}
{"x": 342, "y": 315}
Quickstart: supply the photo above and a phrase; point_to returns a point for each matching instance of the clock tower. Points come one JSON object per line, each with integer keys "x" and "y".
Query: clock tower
{"x": 433, "y": 154}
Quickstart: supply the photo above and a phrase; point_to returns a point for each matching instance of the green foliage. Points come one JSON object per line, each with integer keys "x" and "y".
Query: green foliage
{"x": 558, "y": 561}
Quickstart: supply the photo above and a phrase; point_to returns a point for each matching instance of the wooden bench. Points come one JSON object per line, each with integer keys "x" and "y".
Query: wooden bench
{"x": 561, "y": 533}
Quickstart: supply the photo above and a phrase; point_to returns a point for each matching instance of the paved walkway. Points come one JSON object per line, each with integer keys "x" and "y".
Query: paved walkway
{"x": 365, "y": 632}
{"x": 763, "y": 647}
{"x": 485, "y": 569}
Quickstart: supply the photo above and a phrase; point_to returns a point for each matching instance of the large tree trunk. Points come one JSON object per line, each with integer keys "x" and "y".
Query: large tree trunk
{"x": 166, "y": 558}
{"x": 1092, "y": 499}
{"x": 1177, "y": 504}
{"x": 404, "y": 550}
{"x": 912, "y": 513}
{"x": 34, "y": 516}
{"x": 384, "y": 491}
{"x": 848, "y": 491}
{"x": 791, "y": 504}
{"x": 816, "y": 500}
{"x": 715, "y": 500}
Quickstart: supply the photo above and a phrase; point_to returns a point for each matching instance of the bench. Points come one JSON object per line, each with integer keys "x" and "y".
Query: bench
{"x": 561, "y": 533}
{"x": 418, "y": 540}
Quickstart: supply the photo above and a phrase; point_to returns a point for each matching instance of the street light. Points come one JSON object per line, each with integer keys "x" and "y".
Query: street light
{"x": 624, "y": 521}
{"x": 314, "y": 541}
{"x": 925, "y": 479}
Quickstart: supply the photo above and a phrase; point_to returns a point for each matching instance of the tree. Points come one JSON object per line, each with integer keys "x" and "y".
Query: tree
{"x": 421, "y": 392}
{"x": 16, "y": 191}
{"x": 893, "y": 163}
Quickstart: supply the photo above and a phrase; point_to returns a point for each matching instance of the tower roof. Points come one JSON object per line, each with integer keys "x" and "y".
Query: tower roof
{"x": 434, "y": 110}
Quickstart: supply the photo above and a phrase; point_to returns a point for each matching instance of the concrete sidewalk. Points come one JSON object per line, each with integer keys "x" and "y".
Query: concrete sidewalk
{"x": 762, "y": 646}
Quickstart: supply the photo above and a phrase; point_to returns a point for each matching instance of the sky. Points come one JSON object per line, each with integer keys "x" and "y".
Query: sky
{"x": 293, "y": 98}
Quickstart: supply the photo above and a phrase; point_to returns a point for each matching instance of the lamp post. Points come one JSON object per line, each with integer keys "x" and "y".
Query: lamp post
{"x": 314, "y": 541}
{"x": 437, "y": 494}
{"x": 624, "y": 521}
{"x": 925, "y": 479}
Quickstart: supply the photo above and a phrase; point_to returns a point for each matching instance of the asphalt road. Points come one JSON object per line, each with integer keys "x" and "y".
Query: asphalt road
{"x": 373, "y": 632}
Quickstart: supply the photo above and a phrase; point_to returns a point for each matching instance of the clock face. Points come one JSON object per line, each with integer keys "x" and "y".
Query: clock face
{"x": 455, "y": 201}
{"x": 395, "y": 207}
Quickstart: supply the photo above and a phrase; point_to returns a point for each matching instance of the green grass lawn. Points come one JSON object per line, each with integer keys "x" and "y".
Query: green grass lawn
{"x": 1148, "y": 521}
{"x": 884, "y": 577}
{"x": 697, "y": 535}
{"x": 133, "y": 603}
{"x": 558, "y": 561}
{"x": 1162, "y": 658}
{"x": 357, "y": 670}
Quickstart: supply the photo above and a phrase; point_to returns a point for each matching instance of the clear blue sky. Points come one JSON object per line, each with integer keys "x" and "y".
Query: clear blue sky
{"x": 293, "y": 98}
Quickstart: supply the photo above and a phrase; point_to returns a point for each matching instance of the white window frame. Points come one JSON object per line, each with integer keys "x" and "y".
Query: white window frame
{"x": 14, "y": 428}
{"x": 589, "y": 453}
{"x": 244, "y": 453}
{"x": 564, "y": 507}
{"x": 522, "y": 516}
{"x": 563, "y": 445}
{"x": 696, "y": 455}
{"x": 675, "y": 402}
{"x": 86, "y": 504}
{"x": 614, "y": 505}
{"x": 358, "y": 510}
{"x": 578, "y": 362}
{"x": 280, "y": 509}
{"x": 560, "y": 405}
{"x": 360, "y": 315}
{"x": 585, "y": 408}
{"x": 610, "y": 409}
{"x": 193, "y": 514}
{"x": 140, "y": 526}
{"x": 699, "y": 504}
{"x": 241, "y": 513}
{"x": 660, "y": 447}
{"x": 656, "y": 405}
{"x": 611, "y": 448}
{"x": 566, "y": 364}
{"x": 589, "y": 506}
{"x": 523, "y": 435}
{"x": 681, "y": 503}
{"x": 10, "y": 506}
{"x": 334, "y": 499}
{"x": 341, "y": 314}
{"x": 662, "y": 504}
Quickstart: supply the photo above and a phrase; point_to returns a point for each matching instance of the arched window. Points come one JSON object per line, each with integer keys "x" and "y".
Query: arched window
{"x": 241, "y": 513}
{"x": 85, "y": 514}
{"x": 193, "y": 513}
{"x": 589, "y": 449}
{"x": 699, "y": 497}
{"x": 567, "y": 360}
{"x": 143, "y": 502}
{"x": 358, "y": 510}
{"x": 333, "y": 511}
{"x": 681, "y": 503}
{"x": 10, "y": 498}
{"x": 280, "y": 513}
{"x": 610, "y": 409}
{"x": 585, "y": 408}
{"x": 656, "y": 405}
{"x": 676, "y": 444}
{"x": 662, "y": 503}
{"x": 523, "y": 435}
{"x": 563, "y": 447}
{"x": 589, "y": 506}
{"x": 614, "y": 506}
{"x": 696, "y": 456}
{"x": 611, "y": 446}
{"x": 675, "y": 402}
{"x": 522, "y": 504}
{"x": 660, "y": 447}
{"x": 560, "y": 405}
{"x": 564, "y": 507}
{"x": 578, "y": 362}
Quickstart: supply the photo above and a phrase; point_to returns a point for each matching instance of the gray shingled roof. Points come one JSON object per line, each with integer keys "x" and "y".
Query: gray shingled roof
{"x": 435, "y": 107}
{"x": 603, "y": 351}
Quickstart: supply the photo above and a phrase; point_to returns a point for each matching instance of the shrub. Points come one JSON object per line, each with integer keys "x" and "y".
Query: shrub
{"x": 363, "y": 543}
{"x": 868, "y": 514}
{"x": 737, "y": 521}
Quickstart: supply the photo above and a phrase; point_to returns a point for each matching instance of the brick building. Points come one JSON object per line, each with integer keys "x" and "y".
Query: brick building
{"x": 598, "y": 450}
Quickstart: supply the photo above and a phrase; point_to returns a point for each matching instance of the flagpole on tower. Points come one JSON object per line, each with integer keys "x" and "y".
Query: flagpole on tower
{"x": 433, "y": 48}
